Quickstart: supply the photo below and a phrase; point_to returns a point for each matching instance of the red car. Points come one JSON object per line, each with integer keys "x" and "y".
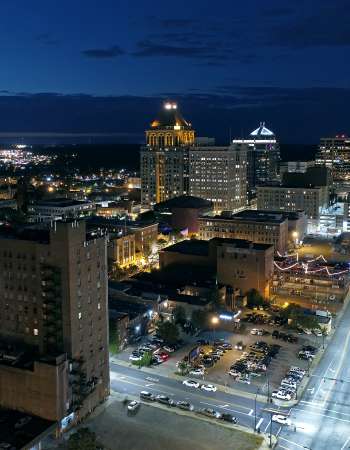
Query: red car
{"x": 163, "y": 355}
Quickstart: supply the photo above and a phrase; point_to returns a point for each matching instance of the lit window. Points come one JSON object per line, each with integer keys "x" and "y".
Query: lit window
{"x": 36, "y": 332}
{"x": 79, "y": 315}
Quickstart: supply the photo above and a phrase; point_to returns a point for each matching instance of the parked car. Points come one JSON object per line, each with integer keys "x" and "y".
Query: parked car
{"x": 280, "y": 395}
{"x": 169, "y": 348}
{"x": 209, "y": 412}
{"x": 165, "y": 400}
{"x": 197, "y": 372}
{"x": 185, "y": 405}
{"x": 229, "y": 418}
{"x": 144, "y": 395}
{"x": 134, "y": 357}
{"x": 133, "y": 405}
{"x": 191, "y": 383}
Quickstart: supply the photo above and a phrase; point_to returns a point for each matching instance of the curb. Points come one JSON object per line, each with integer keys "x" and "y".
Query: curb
{"x": 195, "y": 415}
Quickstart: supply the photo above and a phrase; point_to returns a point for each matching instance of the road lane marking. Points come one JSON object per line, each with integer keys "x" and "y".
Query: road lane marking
{"x": 197, "y": 393}
{"x": 346, "y": 443}
{"x": 291, "y": 442}
{"x": 250, "y": 412}
{"x": 267, "y": 426}
{"x": 221, "y": 406}
{"x": 150, "y": 384}
{"x": 319, "y": 406}
{"x": 340, "y": 365}
{"x": 322, "y": 415}
{"x": 259, "y": 423}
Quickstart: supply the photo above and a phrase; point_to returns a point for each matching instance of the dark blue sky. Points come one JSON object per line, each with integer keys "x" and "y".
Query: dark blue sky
{"x": 106, "y": 65}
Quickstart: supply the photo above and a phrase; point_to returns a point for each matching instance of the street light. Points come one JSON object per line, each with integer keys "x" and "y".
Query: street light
{"x": 214, "y": 321}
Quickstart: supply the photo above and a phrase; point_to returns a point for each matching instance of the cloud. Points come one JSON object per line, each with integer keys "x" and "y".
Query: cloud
{"x": 149, "y": 48}
{"x": 296, "y": 115}
{"x": 103, "y": 53}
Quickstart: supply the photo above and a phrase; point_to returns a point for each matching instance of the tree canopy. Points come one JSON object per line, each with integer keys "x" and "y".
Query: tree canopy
{"x": 168, "y": 331}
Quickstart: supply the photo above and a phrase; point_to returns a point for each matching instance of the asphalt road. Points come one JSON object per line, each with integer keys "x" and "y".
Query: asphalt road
{"x": 132, "y": 381}
{"x": 322, "y": 417}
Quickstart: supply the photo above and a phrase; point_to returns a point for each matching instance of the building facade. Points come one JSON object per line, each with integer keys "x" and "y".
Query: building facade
{"x": 244, "y": 265}
{"x": 281, "y": 198}
{"x": 256, "y": 226}
{"x": 263, "y": 158}
{"x": 121, "y": 249}
{"x": 164, "y": 159}
{"x": 219, "y": 175}
{"x": 334, "y": 153}
{"x": 54, "y": 326}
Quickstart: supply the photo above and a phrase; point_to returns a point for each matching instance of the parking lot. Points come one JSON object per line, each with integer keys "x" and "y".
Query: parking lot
{"x": 218, "y": 373}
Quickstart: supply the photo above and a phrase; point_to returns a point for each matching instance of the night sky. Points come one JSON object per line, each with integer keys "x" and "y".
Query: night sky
{"x": 106, "y": 66}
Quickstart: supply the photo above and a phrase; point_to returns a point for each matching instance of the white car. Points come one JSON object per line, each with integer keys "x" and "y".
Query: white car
{"x": 191, "y": 383}
{"x": 169, "y": 349}
{"x": 317, "y": 332}
{"x": 254, "y": 331}
{"x": 135, "y": 358}
{"x": 281, "y": 396}
{"x": 307, "y": 331}
{"x": 209, "y": 387}
{"x": 197, "y": 372}
{"x": 134, "y": 405}
{"x": 282, "y": 420}
{"x": 234, "y": 374}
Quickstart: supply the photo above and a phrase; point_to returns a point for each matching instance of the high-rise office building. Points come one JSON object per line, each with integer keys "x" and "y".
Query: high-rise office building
{"x": 164, "y": 159}
{"x": 263, "y": 158}
{"x": 53, "y": 322}
{"x": 219, "y": 174}
{"x": 334, "y": 153}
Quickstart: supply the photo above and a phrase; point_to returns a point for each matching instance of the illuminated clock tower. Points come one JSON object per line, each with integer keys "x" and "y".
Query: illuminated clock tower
{"x": 164, "y": 159}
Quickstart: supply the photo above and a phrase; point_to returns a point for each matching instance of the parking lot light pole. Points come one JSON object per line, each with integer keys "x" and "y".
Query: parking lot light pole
{"x": 256, "y": 395}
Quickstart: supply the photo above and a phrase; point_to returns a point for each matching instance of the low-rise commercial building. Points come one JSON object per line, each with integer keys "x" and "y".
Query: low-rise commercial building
{"x": 256, "y": 226}
{"x": 60, "y": 208}
{"x": 121, "y": 249}
{"x": 238, "y": 263}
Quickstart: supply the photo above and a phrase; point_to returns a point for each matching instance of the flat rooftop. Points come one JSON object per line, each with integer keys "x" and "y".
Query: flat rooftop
{"x": 62, "y": 202}
{"x": 250, "y": 215}
{"x": 190, "y": 247}
{"x": 21, "y": 430}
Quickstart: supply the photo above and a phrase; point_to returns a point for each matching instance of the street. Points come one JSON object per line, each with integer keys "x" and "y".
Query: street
{"x": 322, "y": 417}
{"x": 132, "y": 380}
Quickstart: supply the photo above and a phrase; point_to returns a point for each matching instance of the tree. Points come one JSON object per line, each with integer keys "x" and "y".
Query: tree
{"x": 145, "y": 361}
{"x": 83, "y": 439}
{"x": 199, "y": 319}
{"x": 168, "y": 331}
{"x": 182, "y": 367}
{"x": 254, "y": 298}
{"x": 180, "y": 315}
{"x": 306, "y": 321}
{"x": 114, "y": 341}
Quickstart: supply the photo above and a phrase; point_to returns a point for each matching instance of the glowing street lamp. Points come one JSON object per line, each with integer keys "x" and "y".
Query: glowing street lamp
{"x": 214, "y": 321}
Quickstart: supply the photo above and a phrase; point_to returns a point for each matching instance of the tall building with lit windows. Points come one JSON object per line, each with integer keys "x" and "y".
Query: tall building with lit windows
{"x": 219, "y": 174}
{"x": 334, "y": 153}
{"x": 164, "y": 159}
{"x": 263, "y": 158}
{"x": 54, "y": 359}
